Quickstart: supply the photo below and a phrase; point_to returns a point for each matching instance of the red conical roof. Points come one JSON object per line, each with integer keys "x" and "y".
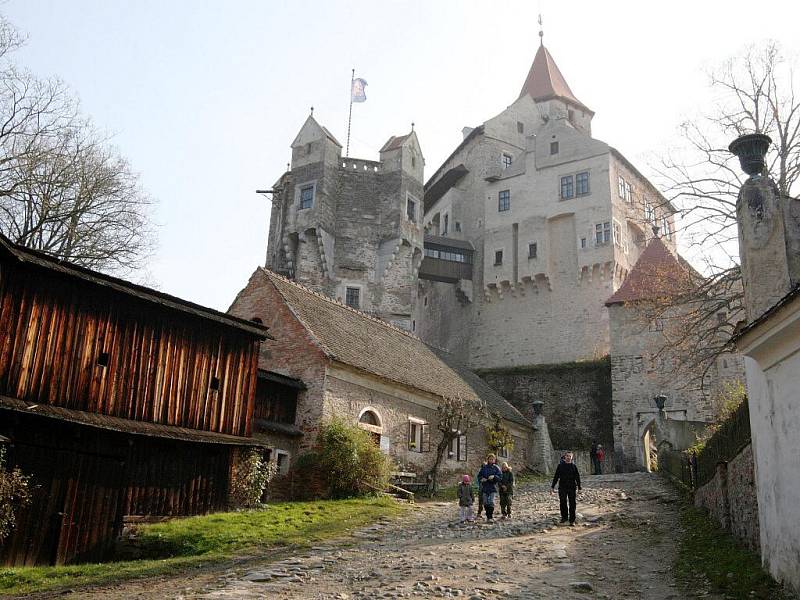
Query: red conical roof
{"x": 657, "y": 274}
{"x": 545, "y": 81}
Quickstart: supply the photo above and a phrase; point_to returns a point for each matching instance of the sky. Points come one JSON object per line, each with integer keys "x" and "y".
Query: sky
{"x": 204, "y": 98}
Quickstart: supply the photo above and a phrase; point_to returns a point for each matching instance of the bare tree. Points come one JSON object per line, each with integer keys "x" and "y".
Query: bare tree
{"x": 63, "y": 189}
{"x": 456, "y": 416}
{"x": 755, "y": 93}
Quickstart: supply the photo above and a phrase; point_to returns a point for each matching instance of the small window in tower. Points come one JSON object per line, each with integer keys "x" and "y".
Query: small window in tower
{"x": 413, "y": 161}
{"x": 507, "y": 160}
{"x": 306, "y": 197}
{"x": 413, "y": 325}
{"x": 553, "y": 148}
{"x": 352, "y": 297}
{"x": 308, "y": 148}
{"x": 571, "y": 116}
{"x": 520, "y": 127}
{"x": 458, "y": 226}
{"x": 498, "y": 258}
{"x": 425, "y": 301}
{"x": 411, "y": 210}
{"x": 532, "y": 248}
{"x": 583, "y": 242}
{"x": 602, "y": 232}
{"x": 504, "y": 201}
{"x": 445, "y": 225}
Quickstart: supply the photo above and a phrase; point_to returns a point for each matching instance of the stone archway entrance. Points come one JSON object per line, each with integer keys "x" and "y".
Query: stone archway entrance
{"x": 370, "y": 420}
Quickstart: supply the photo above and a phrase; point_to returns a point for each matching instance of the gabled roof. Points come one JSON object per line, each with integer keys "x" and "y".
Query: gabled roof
{"x": 45, "y": 261}
{"x": 657, "y": 274}
{"x": 395, "y": 142}
{"x": 356, "y": 339}
{"x": 545, "y": 81}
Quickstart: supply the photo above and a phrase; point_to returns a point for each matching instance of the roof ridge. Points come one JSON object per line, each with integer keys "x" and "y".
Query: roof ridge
{"x": 340, "y": 304}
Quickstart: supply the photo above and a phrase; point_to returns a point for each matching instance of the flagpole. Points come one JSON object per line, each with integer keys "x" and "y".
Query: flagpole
{"x": 350, "y": 116}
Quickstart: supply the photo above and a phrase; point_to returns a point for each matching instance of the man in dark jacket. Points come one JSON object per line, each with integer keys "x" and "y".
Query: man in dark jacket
{"x": 568, "y": 480}
{"x": 489, "y": 477}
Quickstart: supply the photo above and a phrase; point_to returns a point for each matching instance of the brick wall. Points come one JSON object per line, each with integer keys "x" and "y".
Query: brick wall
{"x": 730, "y": 498}
{"x": 576, "y": 396}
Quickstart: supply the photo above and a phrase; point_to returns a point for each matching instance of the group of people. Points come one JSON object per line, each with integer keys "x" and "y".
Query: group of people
{"x": 493, "y": 481}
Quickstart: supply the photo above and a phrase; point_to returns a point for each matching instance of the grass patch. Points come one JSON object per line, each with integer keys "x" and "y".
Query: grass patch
{"x": 182, "y": 544}
{"x": 707, "y": 554}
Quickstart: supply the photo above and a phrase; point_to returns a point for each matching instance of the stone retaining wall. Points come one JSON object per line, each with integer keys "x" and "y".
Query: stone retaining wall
{"x": 730, "y": 497}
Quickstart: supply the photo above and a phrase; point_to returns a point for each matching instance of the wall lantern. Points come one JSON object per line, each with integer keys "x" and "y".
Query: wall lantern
{"x": 660, "y": 401}
{"x": 538, "y": 407}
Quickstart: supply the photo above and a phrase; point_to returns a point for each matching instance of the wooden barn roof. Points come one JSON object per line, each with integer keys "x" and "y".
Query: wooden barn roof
{"x": 122, "y": 425}
{"x": 356, "y": 339}
{"x": 657, "y": 274}
{"x": 45, "y": 261}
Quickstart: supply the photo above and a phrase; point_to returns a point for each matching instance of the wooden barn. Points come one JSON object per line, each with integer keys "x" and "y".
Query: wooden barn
{"x": 118, "y": 400}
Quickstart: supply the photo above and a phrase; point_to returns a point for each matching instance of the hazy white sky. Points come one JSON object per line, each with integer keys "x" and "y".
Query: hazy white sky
{"x": 204, "y": 98}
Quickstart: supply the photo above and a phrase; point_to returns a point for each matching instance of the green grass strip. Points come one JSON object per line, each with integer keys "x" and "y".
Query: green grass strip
{"x": 182, "y": 544}
{"x": 709, "y": 555}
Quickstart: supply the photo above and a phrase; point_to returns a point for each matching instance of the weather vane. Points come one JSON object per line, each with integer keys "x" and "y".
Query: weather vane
{"x": 541, "y": 31}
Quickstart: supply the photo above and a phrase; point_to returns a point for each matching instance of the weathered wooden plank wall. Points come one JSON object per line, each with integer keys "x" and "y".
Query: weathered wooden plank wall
{"x": 86, "y": 480}
{"x": 68, "y": 343}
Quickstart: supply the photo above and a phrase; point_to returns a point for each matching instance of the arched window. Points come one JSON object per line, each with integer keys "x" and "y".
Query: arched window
{"x": 368, "y": 417}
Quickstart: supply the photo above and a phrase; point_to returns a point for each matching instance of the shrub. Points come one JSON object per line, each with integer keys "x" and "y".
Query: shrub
{"x": 349, "y": 461}
{"x": 14, "y": 494}
{"x": 250, "y": 479}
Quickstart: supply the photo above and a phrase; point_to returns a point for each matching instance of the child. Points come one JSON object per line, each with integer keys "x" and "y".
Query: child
{"x": 465, "y": 500}
{"x": 506, "y": 491}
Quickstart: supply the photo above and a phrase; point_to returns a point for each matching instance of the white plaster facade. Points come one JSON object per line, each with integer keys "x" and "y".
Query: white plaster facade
{"x": 548, "y": 307}
{"x": 772, "y": 363}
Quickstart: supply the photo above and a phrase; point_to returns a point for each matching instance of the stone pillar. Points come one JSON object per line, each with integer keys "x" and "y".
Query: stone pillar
{"x": 769, "y": 231}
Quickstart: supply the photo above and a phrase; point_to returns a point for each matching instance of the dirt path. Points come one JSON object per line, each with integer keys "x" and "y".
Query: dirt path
{"x": 622, "y": 547}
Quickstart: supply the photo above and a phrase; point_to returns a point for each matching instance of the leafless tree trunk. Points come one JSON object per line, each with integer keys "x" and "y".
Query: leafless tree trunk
{"x": 755, "y": 94}
{"x": 456, "y": 416}
{"x": 63, "y": 189}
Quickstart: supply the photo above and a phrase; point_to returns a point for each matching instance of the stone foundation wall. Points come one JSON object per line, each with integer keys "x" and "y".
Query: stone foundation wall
{"x": 576, "y": 397}
{"x": 730, "y": 498}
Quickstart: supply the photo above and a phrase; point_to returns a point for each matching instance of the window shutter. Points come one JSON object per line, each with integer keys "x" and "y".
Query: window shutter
{"x": 410, "y": 435}
{"x": 426, "y": 438}
{"x": 462, "y": 447}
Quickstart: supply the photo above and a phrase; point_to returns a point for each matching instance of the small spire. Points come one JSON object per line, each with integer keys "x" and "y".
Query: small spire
{"x": 412, "y": 125}
{"x": 541, "y": 31}
{"x": 312, "y": 111}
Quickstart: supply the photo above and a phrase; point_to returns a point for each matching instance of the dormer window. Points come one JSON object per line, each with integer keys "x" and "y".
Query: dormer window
{"x": 352, "y": 297}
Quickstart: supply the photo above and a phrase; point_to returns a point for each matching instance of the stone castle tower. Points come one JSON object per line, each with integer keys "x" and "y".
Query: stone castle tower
{"x": 531, "y": 224}
{"x": 350, "y": 228}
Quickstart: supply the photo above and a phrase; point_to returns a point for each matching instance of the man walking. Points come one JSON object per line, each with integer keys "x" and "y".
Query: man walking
{"x": 568, "y": 480}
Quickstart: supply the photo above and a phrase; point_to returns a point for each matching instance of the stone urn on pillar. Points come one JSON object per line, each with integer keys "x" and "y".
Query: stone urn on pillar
{"x": 751, "y": 150}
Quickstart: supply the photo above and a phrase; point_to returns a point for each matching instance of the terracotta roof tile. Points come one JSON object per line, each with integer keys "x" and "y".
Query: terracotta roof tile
{"x": 354, "y": 338}
{"x": 395, "y": 142}
{"x": 657, "y": 274}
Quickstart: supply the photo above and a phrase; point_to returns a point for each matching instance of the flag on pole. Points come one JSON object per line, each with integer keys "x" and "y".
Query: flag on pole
{"x": 358, "y": 93}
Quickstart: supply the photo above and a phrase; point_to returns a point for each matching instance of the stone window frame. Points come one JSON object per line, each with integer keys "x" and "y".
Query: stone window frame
{"x": 618, "y": 237}
{"x": 533, "y": 249}
{"x": 602, "y": 233}
{"x": 414, "y": 203}
{"x": 458, "y": 447}
{"x": 283, "y": 467}
{"x": 498, "y": 253}
{"x": 419, "y": 435}
{"x": 566, "y": 189}
{"x": 299, "y": 193}
{"x": 624, "y": 189}
{"x": 358, "y": 289}
{"x": 588, "y": 189}
{"x": 504, "y": 202}
{"x": 368, "y": 426}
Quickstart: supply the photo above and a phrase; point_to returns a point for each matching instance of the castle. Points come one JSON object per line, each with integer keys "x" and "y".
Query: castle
{"x": 505, "y": 258}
